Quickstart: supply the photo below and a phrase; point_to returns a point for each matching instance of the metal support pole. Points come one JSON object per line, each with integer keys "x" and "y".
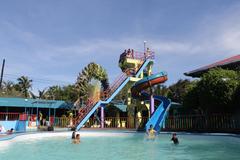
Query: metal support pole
{"x": 54, "y": 115}
{"x": 102, "y": 117}
{"x": 1, "y": 78}
{"x": 144, "y": 45}
{"x": 49, "y": 115}
{"x": 6, "y": 114}
{"x": 152, "y": 108}
{"x": 37, "y": 117}
{"x": 152, "y": 104}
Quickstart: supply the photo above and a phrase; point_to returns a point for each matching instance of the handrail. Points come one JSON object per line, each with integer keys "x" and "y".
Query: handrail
{"x": 139, "y": 55}
{"x": 143, "y": 55}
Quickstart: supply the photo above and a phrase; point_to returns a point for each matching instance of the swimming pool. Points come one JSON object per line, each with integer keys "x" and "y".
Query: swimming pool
{"x": 119, "y": 146}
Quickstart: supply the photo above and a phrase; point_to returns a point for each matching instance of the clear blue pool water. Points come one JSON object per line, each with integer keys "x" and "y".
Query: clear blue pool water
{"x": 133, "y": 146}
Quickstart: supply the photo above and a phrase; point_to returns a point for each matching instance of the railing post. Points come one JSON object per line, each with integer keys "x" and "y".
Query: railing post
{"x": 102, "y": 116}
{"x": 151, "y": 104}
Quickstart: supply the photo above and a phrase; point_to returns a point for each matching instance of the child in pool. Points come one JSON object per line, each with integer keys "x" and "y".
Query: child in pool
{"x": 77, "y": 139}
{"x": 174, "y": 138}
{"x": 73, "y": 135}
{"x": 151, "y": 132}
{"x": 10, "y": 131}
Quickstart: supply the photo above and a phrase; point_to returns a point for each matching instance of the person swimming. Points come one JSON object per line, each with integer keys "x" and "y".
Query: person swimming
{"x": 77, "y": 139}
{"x": 74, "y": 135}
{"x": 151, "y": 132}
{"x": 10, "y": 131}
{"x": 174, "y": 138}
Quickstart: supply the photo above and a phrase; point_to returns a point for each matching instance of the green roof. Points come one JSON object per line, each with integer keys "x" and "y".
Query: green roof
{"x": 33, "y": 103}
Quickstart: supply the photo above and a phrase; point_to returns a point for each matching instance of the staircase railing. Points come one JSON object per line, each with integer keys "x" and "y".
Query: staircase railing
{"x": 104, "y": 95}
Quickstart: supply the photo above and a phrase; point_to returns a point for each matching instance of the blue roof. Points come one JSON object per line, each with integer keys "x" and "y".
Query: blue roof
{"x": 122, "y": 107}
{"x": 33, "y": 103}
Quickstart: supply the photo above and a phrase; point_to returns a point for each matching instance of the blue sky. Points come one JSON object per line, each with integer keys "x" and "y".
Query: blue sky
{"x": 51, "y": 41}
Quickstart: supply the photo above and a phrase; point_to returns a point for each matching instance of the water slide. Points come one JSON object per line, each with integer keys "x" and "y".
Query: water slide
{"x": 117, "y": 86}
{"x": 162, "y": 103}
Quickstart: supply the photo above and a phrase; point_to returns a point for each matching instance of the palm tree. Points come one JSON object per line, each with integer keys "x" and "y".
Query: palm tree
{"x": 9, "y": 90}
{"x": 24, "y": 84}
{"x": 8, "y": 85}
{"x": 91, "y": 71}
{"x": 32, "y": 95}
{"x": 54, "y": 92}
{"x": 42, "y": 94}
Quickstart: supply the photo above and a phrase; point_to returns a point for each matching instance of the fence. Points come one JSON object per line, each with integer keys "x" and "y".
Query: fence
{"x": 32, "y": 118}
{"x": 8, "y": 116}
{"x": 203, "y": 123}
{"x": 62, "y": 122}
{"x": 191, "y": 123}
{"x": 118, "y": 122}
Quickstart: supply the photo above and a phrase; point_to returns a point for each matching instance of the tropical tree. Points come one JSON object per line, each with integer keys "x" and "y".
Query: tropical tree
{"x": 236, "y": 98}
{"x": 91, "y": 71}
{"x": 67, "y": 93}
{"x": 32, "y": 95}
{"x": 178, "y": 90}
{"x": 23, "y": 85}
{"x": 9, "y": 90}
{"x": 217, "y": 91}
{"x": 94, "y": 88}
{"x": 124, "y": 93}
{"x": 217, "y": 88}
{"x": 8, "y": 85}
{"x": 41, "y": 94}
{"x": 191, "y": 98}
{"x": 54, "y": 93}
{"x": 161, "y": 90}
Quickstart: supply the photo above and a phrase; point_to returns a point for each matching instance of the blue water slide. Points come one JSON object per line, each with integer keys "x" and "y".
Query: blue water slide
{"x": 163, "y": 104}
{"x": 159, "y": 116}
{"x": 121, "y": 86}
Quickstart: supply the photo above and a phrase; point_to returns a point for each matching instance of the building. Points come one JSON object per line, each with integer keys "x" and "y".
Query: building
{"x": 33, "y": 106}
{"x": 232, "y": 63}
{"x": 18, "y": 113}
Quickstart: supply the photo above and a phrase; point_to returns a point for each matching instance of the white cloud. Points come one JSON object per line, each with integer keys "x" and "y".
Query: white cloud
{"x": 32, "y": 54}
{"x": 231, "y": 40}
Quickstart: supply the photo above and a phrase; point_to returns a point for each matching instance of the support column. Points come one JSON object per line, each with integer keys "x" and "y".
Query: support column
{"x": 6, "y": 114}
{"x": 37, "y": 120}
{"x": 152, "y": 105}
{"x": 49, "y": 116}
{"x": 102, "y": 116}
{"x": 54, "y": 115}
